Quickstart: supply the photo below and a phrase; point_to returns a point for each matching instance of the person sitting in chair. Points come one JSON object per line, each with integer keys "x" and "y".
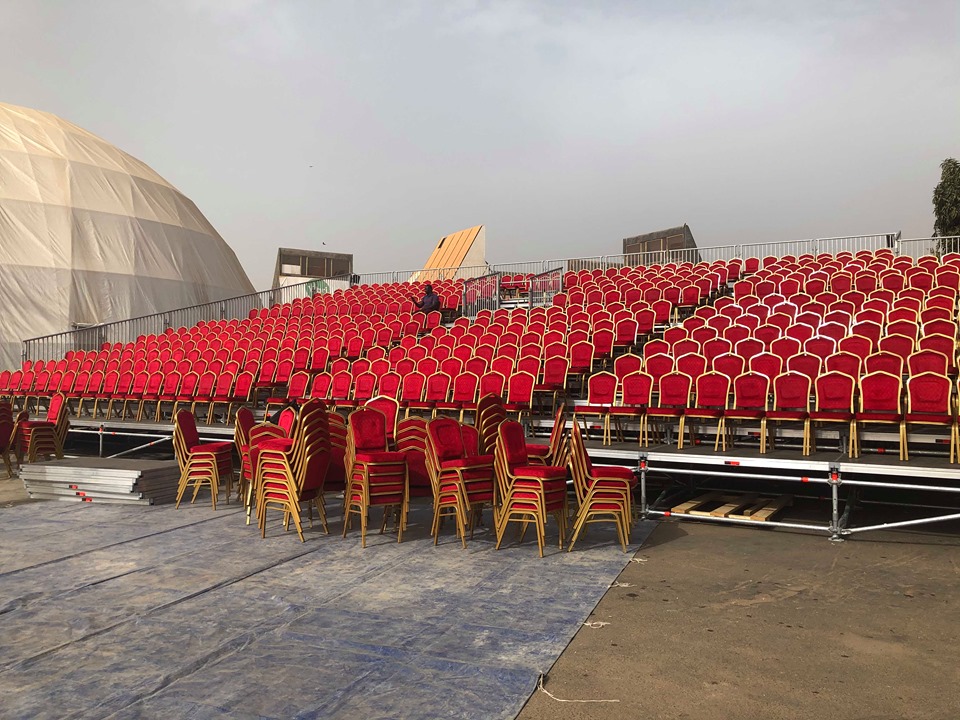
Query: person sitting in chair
{"x": 430, "y": 302}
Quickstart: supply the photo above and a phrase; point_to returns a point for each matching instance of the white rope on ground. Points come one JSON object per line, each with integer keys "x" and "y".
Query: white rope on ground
{"x": 596, "y": 624}
{"x": 554, "y": 697}
{"x": 617, "y": 584}
{"x": 638, "y": 560}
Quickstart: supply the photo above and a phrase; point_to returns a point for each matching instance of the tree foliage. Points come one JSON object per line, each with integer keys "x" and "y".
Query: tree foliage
{"x": 946, "y": 205}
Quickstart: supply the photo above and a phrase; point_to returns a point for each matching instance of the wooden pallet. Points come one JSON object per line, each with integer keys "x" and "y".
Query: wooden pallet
{"x": 765, "y": 509}
{"x": 737, "y": 507}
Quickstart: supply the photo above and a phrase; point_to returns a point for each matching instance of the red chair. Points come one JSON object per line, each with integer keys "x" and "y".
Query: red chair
{"x": 601, "y": 395}
{"x": 376, "y": 476}
{"x": 411, "y": 439}
{"x": 462, "y": 484}
{"x": 636, "y": 393}
{"x": 603, "y": 492}
{"x": 791, "y": 404}
{"x": 43, "y": 438}
{"x": 929, "y": 404}
{"x": 711, "y": 399}
{"x": 880, "y": 403}
{"x": 200, "y": 463}
{"x": 554, "y": 378}
{"x": 750, "y": 401}
{"x": 673, "y": 400}
{"x": 293, "y": 472}
{"x": 845, "y": 362}
{"x": 520, "y": 393}
{"x": 528, "y": 492}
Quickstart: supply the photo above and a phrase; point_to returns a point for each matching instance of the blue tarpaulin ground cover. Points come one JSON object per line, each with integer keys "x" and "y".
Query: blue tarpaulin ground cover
{"x": 143, "y": 612}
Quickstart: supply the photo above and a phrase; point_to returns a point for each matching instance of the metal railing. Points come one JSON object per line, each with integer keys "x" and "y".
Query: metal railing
{"x": 918, "y": 247}
{"x": 544, "y": 286}
{"x": 57, "y": 345}
{"x": 480, "y": 278}
{"x": 482, "y": 293}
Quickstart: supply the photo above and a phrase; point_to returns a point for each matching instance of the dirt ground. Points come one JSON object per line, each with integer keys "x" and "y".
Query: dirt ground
{"x": 12, "y": 492}
{"x": 719, "y": 622}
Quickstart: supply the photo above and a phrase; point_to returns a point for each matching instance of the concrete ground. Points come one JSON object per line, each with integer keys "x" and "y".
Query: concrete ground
{"x": 721, "y": 622}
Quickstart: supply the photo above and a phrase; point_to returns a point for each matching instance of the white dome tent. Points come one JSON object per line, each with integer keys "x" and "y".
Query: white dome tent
{"x": 89, "y": 234}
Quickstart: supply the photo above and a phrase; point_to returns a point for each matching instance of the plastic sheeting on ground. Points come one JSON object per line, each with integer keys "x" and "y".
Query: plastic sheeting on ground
{"x": 133, "y": 612}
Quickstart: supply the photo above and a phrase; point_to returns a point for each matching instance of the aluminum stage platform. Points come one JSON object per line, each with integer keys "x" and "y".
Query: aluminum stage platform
{"x": 696, "y": 483}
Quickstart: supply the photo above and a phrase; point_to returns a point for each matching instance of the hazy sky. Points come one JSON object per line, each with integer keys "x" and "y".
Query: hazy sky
{"x": 562, "y": 126}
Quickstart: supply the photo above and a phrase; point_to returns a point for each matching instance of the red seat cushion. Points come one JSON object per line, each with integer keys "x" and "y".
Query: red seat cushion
{"x": 744, "y": 414}
{"x": 931, "y": 418}
{"x": 281, "y": 444}
{"x": 787, "y": 415}
{"x": 613, "y": 471}
{"x": 879, "y": 417}
{"x": 538, "y": 450}
{"x": 628, "y": 410}
{"x": 665, "y": 412}
{"x": 480, "y": 461}
{"x": 380, "y": 457}
{"x": 543, "y": 472}
{"x": 837, "y": 415}
{"x": 30, "y": 424}
{"x": 703, "y": 412}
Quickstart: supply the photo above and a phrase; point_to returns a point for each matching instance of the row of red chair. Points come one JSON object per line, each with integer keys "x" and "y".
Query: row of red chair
{"x": 753, "y": 398}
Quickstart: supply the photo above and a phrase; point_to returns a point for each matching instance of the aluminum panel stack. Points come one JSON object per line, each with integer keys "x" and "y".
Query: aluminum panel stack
{"x": 103, "y": 480}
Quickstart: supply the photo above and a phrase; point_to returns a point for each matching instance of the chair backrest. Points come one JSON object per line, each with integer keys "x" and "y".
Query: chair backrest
{"x": 834, "y": 391}
{"x": 750, "y": 391}
{"x": 244, "y": 422}
{"x": 713, "y": 390}
{"x": 185, "y": 425}
{"x": 512, "y": 444}
{"x": 287, "y": 420}
{"x": 367, "y": 430}
{"x": 929, "y": 393}
{"x": 390, "y": 409}
{"x": 675, "y": 390}
{"x": 880, "y": 392}
{"x": 446, "y": 440}
{"x": 791, "y": 391}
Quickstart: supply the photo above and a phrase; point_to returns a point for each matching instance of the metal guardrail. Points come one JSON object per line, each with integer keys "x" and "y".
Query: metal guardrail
{"x": 918, "y": 247}
{"x": 482, "y": 293}
{"x": 544, "y": 286}
{"x": 126, "y": 331}
{"x": 92, "y": 338}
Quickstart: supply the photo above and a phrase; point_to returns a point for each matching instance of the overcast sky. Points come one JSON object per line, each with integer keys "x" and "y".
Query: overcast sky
{"x": 561, "y": 126}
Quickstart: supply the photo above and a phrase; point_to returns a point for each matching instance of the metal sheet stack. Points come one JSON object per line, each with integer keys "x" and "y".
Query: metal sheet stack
{"x": 103, "y": 480}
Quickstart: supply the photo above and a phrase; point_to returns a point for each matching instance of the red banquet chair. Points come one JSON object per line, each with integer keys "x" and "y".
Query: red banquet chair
{"x": 711, "y": 399}
{"x": 200, "y": 463}
{"x": 462, "y": 483}
{"x": 293, "y": 473}
{"x": 880, "y": 403}
{"x": 376, "y": 476}
{"x": 749, "y": 404}
{"x": 791, "y": 404}
{"x": 603, "y": 492}
{"x": 929, "y": 404}
{"x": 673, "y": 400}
{"x": 529, "y": 493}
{"x": 43, "y": 438}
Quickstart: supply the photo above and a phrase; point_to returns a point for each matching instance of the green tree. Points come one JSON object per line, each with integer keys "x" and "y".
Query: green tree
{"x": 946, "y": 207}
